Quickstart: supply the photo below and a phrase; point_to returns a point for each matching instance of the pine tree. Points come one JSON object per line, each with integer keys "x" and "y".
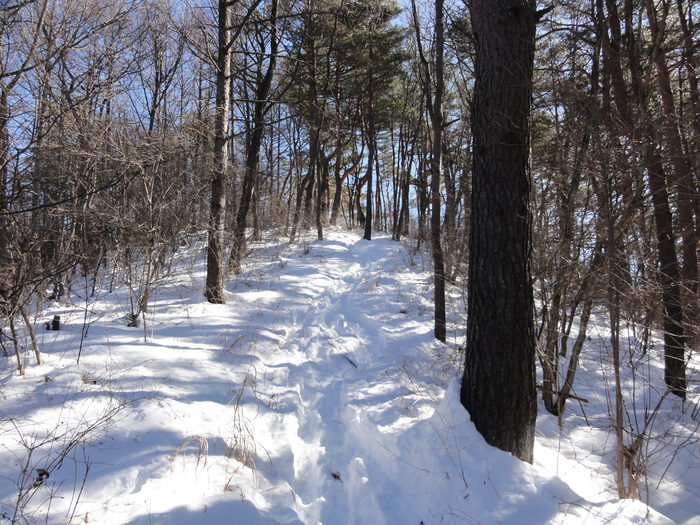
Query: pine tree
{"x": 498, "y": 387}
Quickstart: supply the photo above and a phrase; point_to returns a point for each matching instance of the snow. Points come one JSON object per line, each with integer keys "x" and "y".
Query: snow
{"x": 317, "y": 394}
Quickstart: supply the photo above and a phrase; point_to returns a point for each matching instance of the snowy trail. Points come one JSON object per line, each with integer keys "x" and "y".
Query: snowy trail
{"x": 316, "y": 396}
{"x": 336, "y": 343}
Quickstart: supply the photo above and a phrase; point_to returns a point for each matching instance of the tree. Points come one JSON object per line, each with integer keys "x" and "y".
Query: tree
{"x": 314, "y": 39}
{"x": 435, "y": 96}
{"x": 265, "y": 69}
{"x": 380, "y": 59}
{"x": 498, "y": 387}
{"x": 214, "y": 287}
{"x": 679, "y": 157}
{"x": 641, "y": 126}
{"x": 37, "y": 239}
{"x": 349, "y": 57}
{"x": 11, "y": 274}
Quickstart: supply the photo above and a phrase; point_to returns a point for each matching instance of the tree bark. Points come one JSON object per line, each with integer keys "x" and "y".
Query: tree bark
{"x": 681, "y": 166}
{"x": 437, "y": 124}
{"x": 214, "y": 287}
{"x": 498, "y": 387}
{"x": 440, "y": 328}
{"x": 371, "y": 145}
{"x": 674, "y": 338}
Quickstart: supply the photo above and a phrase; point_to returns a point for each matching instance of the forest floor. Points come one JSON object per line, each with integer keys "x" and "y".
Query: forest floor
{"x": 317, "y": 394}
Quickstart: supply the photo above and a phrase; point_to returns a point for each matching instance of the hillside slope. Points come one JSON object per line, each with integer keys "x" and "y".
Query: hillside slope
{"x": 317, "y": 394}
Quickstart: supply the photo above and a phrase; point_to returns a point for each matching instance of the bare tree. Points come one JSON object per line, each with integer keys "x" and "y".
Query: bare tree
{"x": 266, "y": 62}
{"x": 434, "y": 88}
{"x": 214, "y": 288}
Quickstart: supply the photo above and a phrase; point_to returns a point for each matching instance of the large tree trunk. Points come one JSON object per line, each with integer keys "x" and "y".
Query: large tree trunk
{"x": 674, "y": 338}
{"x": 371, "y": 145}
{"x": 214, "y": 287}
{"x": 440, "y": 328}
{"x": 680, "y": 162}
{"x": 498, "y": 387}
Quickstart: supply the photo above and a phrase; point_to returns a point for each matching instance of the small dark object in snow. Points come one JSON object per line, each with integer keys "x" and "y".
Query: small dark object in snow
{"x": 41, "y": 476}
{"x": 336, "y": 476}
{"x": 55, "y": 324}
{"x": 59, "y": 290}
{"x": 132, "y": 320}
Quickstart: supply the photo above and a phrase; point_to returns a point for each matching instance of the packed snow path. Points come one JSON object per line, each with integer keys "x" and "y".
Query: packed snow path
{"x": 335, "y": 371}
{"x": 316, "y": 395}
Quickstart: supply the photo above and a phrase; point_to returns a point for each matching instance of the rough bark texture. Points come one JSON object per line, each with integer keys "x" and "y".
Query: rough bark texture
{"x": 498, "y": 387}
{"x": 371, "y": 146}
{"x": 440, "y": 329}
{"x": 680, "y": 162}
{"x": 674, "y": 338}
{"x": 214, "y": 286}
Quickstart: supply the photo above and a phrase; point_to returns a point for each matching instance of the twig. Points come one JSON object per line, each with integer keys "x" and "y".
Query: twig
{"x": 548, "y": 391}
{"x": 400, "y": 458}
{"x": 348, "y": 359}
{"x": 330, "y": 342}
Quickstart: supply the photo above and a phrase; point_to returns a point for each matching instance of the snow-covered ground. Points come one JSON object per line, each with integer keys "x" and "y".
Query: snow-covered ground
{"x": 317, "y": 394}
